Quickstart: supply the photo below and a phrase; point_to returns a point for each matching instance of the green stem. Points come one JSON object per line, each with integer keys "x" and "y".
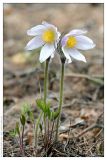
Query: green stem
{"x": 45, "y": 96}
{"x": 46, "y": 80}
{"x": 60, "y": 100}
{"x": 45, "y": 91}
{"x": 22, "y": 139}
{"x": 52, "y": 130}
{"x": 36, "y": 130}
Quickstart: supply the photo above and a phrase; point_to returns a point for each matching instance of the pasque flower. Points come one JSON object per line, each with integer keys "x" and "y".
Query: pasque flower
{"x": 73, "y": 41}
{"x": 46, "y": 35}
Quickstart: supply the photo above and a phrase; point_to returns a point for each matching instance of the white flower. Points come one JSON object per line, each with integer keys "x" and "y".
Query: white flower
{"x": 73, "y": 41}
{"x": 46, "y": 35}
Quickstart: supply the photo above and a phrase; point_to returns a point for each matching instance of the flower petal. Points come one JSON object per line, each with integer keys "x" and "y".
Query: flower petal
{"x": 37, "y": 30}
{"x": 66, "y": 53}
{"x": 84, "y": 43}
{"x": 58, "y": 34}
{"x": 64, "y": 40}
{"x": 36, "y": 42}
{"x": 83, "y": 39}
{"x": 77, "y": 32}
{"x": 76, "y": 55}
{"x": 54, "y": 28}
{"x": 49, "y": 25}
{"x": 46, "y": 52}
{"x": 52, "y": 55}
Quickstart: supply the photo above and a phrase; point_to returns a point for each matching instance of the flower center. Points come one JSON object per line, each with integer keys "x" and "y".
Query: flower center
{"x": 71, "y": 42}
{"x": 48, "y": 36}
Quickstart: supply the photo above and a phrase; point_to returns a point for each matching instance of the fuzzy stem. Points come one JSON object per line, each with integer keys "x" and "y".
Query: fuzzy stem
{"x": 36, "y": 130}
{"x": 52, "y": 130}
{"x": 20, "y": 145}
{"x": 22, "y": 140}
{"x": 46, "y": 80}
{"x": 45, "y": 90}
{"x": 60, "y": 100}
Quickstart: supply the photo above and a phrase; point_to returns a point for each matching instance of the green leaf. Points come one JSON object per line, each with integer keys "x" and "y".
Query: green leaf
{"x": 12, "y": 133}
{"x": 44, "y": 107}
{"x": 54, "y": 115}
{"x": 47, "y": 110}
{"x": 31, "y": 116}
{"x": 25, "y": 109}
{"x": 40, "y": 104}
{"x": 22, "y": 119}
{"x": 17, "y": 128}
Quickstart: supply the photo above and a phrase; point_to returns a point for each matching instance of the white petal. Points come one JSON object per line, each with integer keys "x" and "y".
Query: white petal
{"x": 77, "y": 32}
{"x": 54, "y": 28}
{"x": 76, "y": 55}
{"x": 84, "y": 39}
{"x": 49, "y": 25}
{"x": 65, "y": 51}
{"x": 64, "y": 40}
{"x": 36, "y": 42}
{"x": 59, "y": 34}
{"x": 52, "y": 56}
{"x": 84, "y": 43}
{"x": 37, "y": 30}
{"x": 46, "y": 51}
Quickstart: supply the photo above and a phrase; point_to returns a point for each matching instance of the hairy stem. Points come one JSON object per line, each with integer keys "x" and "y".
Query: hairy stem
{"x": 45, "y": 90}
{"x": 20, "y": 144}
{"x": 46, "y": 80}
{"x": 22, "y": 140}
{"x": 36, "y": 130}
{"x": 52, "y": 130}
{"x": 60, "y": 100}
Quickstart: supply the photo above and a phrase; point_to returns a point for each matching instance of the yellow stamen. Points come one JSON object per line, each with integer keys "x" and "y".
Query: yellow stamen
{"x": 71, "y": 42}
{"x": 48, "y": 36}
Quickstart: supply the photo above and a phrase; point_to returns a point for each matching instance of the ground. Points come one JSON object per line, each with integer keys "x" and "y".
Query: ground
{"x": 83, "y": 82}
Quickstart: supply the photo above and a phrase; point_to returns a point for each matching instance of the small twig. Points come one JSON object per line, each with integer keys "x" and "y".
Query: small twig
{"x": 94, "y": 78}
{"x": 79, "y": 124}
{"x": 83, "y": 75}
{"x": 92, "y": 146}
{"x": 28, "y": 154}
{"x": 90, "y": 128}
{"x": 62, "y": 154}
{"x": 69, "y": 132}
{"x": 99, "y": 133}
{"x": 75, "y": 101}
{"x": 45, "y": 154}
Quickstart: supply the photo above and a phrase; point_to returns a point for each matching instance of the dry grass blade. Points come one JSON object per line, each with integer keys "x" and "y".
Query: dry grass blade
{"x": 94, "y": 78}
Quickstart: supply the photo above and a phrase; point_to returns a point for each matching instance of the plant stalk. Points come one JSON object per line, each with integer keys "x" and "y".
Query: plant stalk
{"x": 22, "y": 145}
{"x": 36, "y": 130}
{"x": 45, "y": 91}
{"x": 60, "y": 100}
{"x": 46, "y": 80}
